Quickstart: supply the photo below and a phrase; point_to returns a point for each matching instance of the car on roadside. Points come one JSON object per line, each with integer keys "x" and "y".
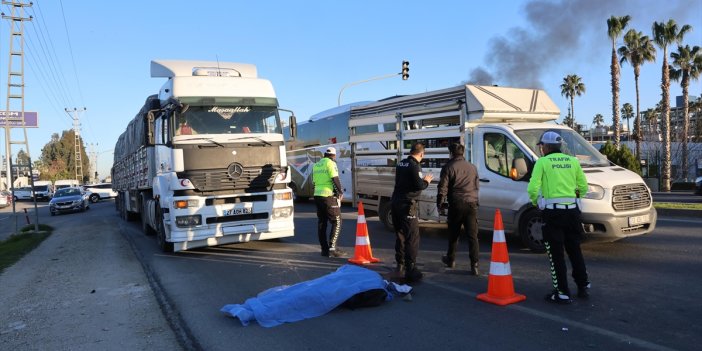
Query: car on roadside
{"x": 73, "y": 199}
{"x": 698, "y": 186}
{"x": 23, "y": 193}
{"x": 102, "y": 191}
{"x": 5, "y": 198}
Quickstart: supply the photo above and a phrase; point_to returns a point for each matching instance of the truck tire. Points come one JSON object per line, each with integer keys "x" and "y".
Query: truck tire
{"x": 385, "y": 214}
{"x": 145, "y": 227}
{"x": 530, "y": 225}
{"x": 164, "y": 245}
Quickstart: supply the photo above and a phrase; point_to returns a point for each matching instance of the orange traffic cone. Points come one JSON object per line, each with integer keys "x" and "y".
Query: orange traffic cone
{"x": 363, "y": 253}
{"x": 500, "y": 285}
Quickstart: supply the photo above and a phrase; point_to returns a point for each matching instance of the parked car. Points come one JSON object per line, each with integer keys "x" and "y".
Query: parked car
{"x": 5, "y": 198}
{"x": 23, "y": 193}
{"x": 698, "y": 186}
{"x": 43, "y": 190}
{"x": 71, "y": 199}
{"x": 99, "y": 192}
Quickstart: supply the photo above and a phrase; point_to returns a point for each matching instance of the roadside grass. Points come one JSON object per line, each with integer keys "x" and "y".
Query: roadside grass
{"x": 678, "y": 205}
{"x": 15, "y": 247}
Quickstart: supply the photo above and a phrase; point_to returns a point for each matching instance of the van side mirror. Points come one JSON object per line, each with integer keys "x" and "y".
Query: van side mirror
{"x": 519, "y": 169}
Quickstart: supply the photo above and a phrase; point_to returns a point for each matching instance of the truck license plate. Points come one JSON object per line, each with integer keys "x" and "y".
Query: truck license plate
{"x": 238, "y": 211}
{"x": 639, "y": 220}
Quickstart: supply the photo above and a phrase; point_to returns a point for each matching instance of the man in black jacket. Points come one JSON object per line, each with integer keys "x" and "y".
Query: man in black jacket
{"x": 458, "y": 184}
{"x": 409, "y": 183}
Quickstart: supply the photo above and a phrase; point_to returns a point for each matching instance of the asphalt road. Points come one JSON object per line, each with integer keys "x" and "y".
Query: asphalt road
{"x": 645, "y": 294}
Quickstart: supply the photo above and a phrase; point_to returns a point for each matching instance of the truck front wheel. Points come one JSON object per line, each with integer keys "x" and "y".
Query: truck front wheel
{"x": 385, "y": 214}
{"x": 165, "y": 246}
{"x": 145, "y": 227}
{"x": 530, "y": 226}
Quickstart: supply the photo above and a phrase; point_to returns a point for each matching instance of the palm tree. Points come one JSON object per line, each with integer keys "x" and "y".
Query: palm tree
{"x": 686, "y": 66}
{"x": 597, "y": 120}
{"x": 665, "y": 34}
{"x": 638, "y": 50}
{"x": 651, "y": 119}
{"x": 572, "y": 85}
{"x": 615, "y": 27}
{"x": 627, "y": 114}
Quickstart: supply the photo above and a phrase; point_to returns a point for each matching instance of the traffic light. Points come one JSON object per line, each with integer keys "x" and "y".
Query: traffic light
{"x": 405, "y": 70}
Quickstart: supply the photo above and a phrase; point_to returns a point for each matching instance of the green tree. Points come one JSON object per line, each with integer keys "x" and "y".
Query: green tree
{"x": 664, "y": 35}
{"x": 58, "y": 158}
{"x": 621, "y": 157}
{"x": 638, "y": 49}
{"x": 686, "y": 66}
{"x": 572, "y": 85}
{"x": 615, "y": 27}
{"x": 627, "y": 114}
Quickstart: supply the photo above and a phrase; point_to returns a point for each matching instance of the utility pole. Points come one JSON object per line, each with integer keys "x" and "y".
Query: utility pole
{"x": 93, "y": 154}
{"x": 77, "y": 142}
{"x": 15, "y": 81}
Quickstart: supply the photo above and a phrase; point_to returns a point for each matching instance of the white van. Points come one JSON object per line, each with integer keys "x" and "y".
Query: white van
{"x": 500, "y": 128}
{"x": 65, "y": 183}
{"x": 43, "y": 190}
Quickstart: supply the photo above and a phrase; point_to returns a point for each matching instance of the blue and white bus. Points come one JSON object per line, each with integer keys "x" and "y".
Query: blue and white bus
{"x": 324, "y": 129}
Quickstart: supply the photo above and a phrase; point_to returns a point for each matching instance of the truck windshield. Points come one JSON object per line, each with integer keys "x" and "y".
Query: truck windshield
{"x": 227, "y": 119}
{"x": 573, "y": 144}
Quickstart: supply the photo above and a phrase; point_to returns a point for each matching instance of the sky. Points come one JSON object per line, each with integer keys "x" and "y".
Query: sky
{"x": 96, "y": 54}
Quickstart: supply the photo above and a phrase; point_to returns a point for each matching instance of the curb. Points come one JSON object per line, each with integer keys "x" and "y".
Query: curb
{"x": 669, "y": 212}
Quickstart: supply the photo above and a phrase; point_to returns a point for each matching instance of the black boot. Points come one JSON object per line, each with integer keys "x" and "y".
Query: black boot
{"x": 474, "y": 268}
{"x": 412, "y": 274}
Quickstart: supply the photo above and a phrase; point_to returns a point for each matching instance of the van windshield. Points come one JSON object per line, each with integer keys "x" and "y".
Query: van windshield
{"x": 573, "y": 144}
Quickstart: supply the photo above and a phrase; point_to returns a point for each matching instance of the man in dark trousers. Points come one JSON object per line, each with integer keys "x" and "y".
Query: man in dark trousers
{"x": 409, "y": 183}
{"x": 458, "y": 184}
{"x": 556, "y": 184}
{"x": 327, "y": 196}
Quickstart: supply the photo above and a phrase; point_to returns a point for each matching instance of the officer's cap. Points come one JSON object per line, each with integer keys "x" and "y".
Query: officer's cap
{"x": 330, "y": 151}
{"x": 550, "y": 138}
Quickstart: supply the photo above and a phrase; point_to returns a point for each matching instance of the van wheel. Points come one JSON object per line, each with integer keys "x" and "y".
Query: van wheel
{"x": 385, "y": 214}
{"x": 530, "y": 226}
{"x": 94, "y": 198}
{"x": 164, "y": 245}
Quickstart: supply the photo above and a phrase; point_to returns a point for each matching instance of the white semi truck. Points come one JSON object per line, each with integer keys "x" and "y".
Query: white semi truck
{"x": 500, "y": 128}
{"x": 203, "y": 162}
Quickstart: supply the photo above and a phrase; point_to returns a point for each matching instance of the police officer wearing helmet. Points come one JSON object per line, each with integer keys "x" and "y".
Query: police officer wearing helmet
{"x": 327, "y": 197}
{"x": 556, "y": 183}
{"x": 409, "y": 183}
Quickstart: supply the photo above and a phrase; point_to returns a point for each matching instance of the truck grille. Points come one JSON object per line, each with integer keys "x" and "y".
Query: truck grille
{"x": 630, "y": 197}
{"x": 252, "y": 179}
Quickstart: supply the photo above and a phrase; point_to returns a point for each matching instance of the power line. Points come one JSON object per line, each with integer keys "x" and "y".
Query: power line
{"x": 70, "y": 48}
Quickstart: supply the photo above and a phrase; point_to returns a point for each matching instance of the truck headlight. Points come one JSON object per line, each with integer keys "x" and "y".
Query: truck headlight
{"x": 594, "y": 192}
{"x": 188, "y": 221}
{"x": 282, "y": 212}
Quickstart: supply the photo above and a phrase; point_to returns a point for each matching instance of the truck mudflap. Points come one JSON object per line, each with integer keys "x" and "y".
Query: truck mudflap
{"x": 608, "y": 227}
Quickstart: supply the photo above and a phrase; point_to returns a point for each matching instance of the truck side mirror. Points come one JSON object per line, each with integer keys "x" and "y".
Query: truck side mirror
{"x": 293, "y": 126}
{"x": 519, "y": 169}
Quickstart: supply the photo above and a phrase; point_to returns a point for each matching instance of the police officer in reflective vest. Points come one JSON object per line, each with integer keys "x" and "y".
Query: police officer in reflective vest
{"x": 327, "y": 196}
{"x": 556, "y": 183}
{"x": 409, "y": 183}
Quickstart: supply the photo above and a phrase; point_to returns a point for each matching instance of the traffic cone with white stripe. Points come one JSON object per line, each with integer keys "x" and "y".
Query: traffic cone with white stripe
{"x": 363, "y": 253}
{"x": 500, "y": 284}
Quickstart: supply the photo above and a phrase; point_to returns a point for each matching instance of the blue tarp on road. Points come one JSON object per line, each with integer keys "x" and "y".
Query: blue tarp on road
{"x": 307, "y": 299}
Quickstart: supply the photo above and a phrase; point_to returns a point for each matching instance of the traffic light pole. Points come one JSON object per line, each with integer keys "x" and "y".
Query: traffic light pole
{"x": 364, "y": 81}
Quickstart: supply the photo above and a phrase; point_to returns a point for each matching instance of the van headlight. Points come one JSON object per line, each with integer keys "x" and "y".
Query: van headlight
{"x": 282, "y": 212}
{"x": 594, "y": 192}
